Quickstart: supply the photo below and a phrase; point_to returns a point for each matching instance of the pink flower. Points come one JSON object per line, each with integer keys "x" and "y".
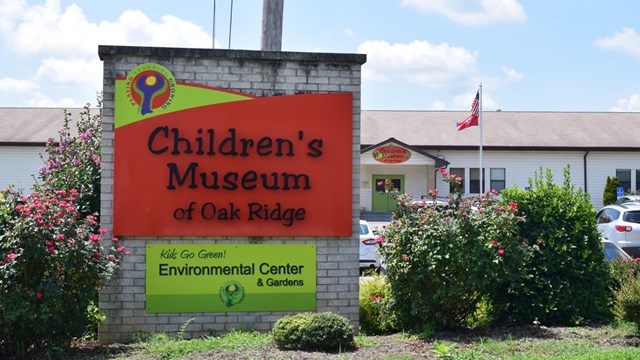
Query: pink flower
{"x": 500, "y": 251}
{"x": 458, "y": 179}
{"x": 102, "y": 231}
{"x": 51, "y": 249}
{"x": 94, "y": 237}
{"x": 494, "y": 243}
{"x": 38, "y": 295}
{"x": 97, "y": 254}
{"x": 513, "y": 205}
{"x": 11, "y": 256}
{"x": 405, "y": 257}
{"x": 59, "y": 236}
{"x": 494, "y": 192}
{"x": 128, "y": 253}
{"x": 73, "y": 192}
{"x": 443, "y": 172}
{"x": 378, "y": 240}
{"x": 115, "y": 239}
{"x": 120, "y": 249}
{"x": 433, "y": 192}
{"x": 500, "y": 208}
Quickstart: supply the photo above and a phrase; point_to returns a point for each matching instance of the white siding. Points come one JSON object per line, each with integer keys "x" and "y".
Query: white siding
{"x": 519, "y": 166}
{"x": 416, "y": 180}
{"x": 603, "y": 164}
{"x": 17, "y": 165}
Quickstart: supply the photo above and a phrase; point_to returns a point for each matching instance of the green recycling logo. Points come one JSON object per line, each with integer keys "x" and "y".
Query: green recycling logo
{"x": 231, "y": 293}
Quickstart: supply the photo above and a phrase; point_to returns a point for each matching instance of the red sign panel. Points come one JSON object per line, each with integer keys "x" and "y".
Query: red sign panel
{"x": 277, "y": 166}
{"x": 391, "y": 154}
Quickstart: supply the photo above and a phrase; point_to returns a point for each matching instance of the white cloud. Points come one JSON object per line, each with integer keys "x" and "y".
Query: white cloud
{"x": 86, "y": 72}
{"x": 10, "y": 11}
{"x": 17, "y": 86}
{"x": 626, "y": 41}
{"x": 68, "y": 43}
{"x": 472, "y": 12}
{"x": 350, "y": 33}
{"x": 513, "y": 75}
{"x": 628, "y": 105}
{"x": 133, "y": 27}
{"x": 420, "y": 62}
{"x": 40, "y": 100}
{"x": 50, "y": 31}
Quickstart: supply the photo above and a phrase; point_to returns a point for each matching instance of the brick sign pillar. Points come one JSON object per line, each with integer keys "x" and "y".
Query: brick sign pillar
{"x": 232, "y": 178}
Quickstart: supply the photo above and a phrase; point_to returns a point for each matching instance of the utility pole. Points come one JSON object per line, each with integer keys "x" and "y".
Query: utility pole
{"x": 272, "y": 25}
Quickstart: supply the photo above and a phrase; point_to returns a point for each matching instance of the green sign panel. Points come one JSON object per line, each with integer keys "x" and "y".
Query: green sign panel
{"x": 229, "y": 278}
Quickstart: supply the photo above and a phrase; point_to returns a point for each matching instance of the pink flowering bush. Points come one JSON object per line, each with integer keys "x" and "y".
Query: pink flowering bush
{"x": 52, "y": 264}
{"x": 443, "y": 260}
{"x": 53, "y": 258}
{"x": 73, "y": 161}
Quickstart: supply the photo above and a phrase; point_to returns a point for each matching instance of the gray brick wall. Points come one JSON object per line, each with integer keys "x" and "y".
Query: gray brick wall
{"x": 256, "y": 73}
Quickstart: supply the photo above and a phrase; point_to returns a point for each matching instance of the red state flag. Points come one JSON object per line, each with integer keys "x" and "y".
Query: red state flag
{"x": 472, "y": 119}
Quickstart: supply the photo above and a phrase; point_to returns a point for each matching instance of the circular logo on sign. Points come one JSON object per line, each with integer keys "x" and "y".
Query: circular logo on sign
{"x": 231, "y": 293}
{"x": 150, "y": 86}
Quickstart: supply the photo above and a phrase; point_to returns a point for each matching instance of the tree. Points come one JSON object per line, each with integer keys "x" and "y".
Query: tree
{"x": 610, "y": 194}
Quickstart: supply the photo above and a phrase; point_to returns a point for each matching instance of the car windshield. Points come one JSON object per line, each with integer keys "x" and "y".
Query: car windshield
{"x": 632, "y": 217}
{"x": 364, "y": 229}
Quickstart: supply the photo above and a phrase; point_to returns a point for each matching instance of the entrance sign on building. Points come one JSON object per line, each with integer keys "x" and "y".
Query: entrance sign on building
{"x": 191, "y": 160}
{"x": 230, "y": 278}
{"x": 391, "y": 154}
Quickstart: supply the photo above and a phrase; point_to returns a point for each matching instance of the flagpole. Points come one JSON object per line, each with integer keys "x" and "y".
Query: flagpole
{"x": 481, "y": 121}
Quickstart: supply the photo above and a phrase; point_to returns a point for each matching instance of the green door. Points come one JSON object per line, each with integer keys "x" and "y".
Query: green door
{"x": 383, "y": 186}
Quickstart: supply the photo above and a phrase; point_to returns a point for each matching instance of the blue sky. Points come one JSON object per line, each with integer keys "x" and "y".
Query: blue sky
{"x": 530, "y": 55}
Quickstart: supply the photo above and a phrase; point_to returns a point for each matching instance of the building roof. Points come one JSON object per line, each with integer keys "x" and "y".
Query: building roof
{"x": 423, "y": 129}
{"x": 24, "y": 126}
{"x": 505, "y": 130}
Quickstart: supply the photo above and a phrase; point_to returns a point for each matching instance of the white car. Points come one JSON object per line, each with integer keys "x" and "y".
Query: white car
{"x": 628, "y": 199}
{"x": 620, "y": 224}
{"x": 369, "y": 256}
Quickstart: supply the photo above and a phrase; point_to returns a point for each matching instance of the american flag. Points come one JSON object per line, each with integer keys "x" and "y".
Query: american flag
{"x": 472, "y": 119}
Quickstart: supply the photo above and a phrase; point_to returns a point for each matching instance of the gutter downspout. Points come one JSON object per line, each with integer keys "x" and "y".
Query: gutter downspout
{"x": 584, "y": 161}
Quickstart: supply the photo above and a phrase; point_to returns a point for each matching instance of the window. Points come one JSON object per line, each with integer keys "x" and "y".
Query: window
{"x": 474, "y": 181}
{"x": 458, "y": 172}
{"x": 637, "y": 180}
{"x": 498, "y": 179}
{"x": 624, "y": 177}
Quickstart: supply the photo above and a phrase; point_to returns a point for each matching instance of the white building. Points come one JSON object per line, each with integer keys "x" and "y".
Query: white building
{"x": 515, "y": 146}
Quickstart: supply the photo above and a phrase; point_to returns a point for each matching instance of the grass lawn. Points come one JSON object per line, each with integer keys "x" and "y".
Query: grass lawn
{"x": 620, "y": 341}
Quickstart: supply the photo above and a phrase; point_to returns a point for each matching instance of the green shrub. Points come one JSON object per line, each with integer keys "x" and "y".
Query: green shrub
{"x": 627, "y": 301}
{"x": 442, "y": 262}
{"x": 53, "y": 259}
{"x": 610, "y": 194}
{"x": 565, "y": 280}
{"x": 313, "y": 331}
{"x": 375, "y": 314}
